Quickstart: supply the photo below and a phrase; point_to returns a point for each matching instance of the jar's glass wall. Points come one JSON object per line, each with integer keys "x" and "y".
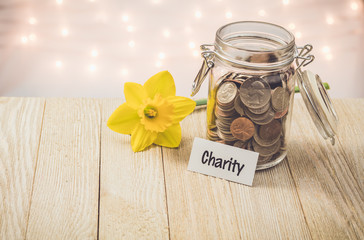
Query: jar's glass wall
{"x": 251, "y": 91}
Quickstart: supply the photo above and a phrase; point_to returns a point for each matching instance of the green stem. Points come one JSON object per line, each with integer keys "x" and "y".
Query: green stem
{"x": 203, "y": 101}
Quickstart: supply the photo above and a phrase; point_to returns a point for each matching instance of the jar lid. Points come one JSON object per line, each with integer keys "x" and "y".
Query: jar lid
{"x": 318, "y": 103}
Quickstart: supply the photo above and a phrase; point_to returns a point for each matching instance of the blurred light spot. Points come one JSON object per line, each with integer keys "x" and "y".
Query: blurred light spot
{"x": 24, "y": 39}
{"x": 32, "y": 21}
{"x": 326, "y": 49}
{"x": 291, "y": 26}
{"x": 94, "y": 53}
{"x": 92, "y": 68}
{"x": 192, "y": 45}
{"x": 285, "y": 2}
{"x": 32, "y": 37}
{"x": 329, "y": 57}
{"x": 262, "y": 12}
{"x": 162, "y": 55}
{"x": 330, "y": 20}
{"x": 166, "y": 33}
{"x": 65, "y": 32}
{"x": 59, "y": 2}
{"x": 124, "y": 71}
{"x": 131, "y": 44}
{"x": 195, "y": 53}
{"x": 125, "y": 18}
{"x": 156, "y": 1}
{"x": 354, "y": 6}
{"x": 298, "y": 34}
{"x": 158, "y": 64}
{"x": 130, "y": 28}
{"x": 59, "y": 64}
{"x": 228, "y": 15}
{"x": 198, "y": 14}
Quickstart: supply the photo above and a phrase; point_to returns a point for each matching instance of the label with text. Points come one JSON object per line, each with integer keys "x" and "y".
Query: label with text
{"x": 223, "y": 161}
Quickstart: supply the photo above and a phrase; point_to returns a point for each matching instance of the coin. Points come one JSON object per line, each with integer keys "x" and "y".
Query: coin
{"x": 264, "y": 159}
{"x": 266, "y": 151}
{"x": 278, "y": 115}
{"x": 260, "y": 119}
{"x": 240, "y": 144}
{"x": 260, "y": 110}
{"x": 255, "y": 92}
{"x": 280, "y": 99}
{"x": 242, "y": 128}
{"x": 270, "y": 131}
{"x": 226, "y": 93}
{"x": 263, "y": 142}
{"x": 238, "y": 105}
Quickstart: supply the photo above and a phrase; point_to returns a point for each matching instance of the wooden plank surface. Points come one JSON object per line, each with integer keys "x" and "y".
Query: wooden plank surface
{"x": 271, "y": 209}
{"x": 66, "y": 185}
{"x": 329, "y": 192}
{"x": 20, "y": 128}
{"x": 199, "y": 206}
{"x": 317, "y": 192}
{"x": 132, "y": 199}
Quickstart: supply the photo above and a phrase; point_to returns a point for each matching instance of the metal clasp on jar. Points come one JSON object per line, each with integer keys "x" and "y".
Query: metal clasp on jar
{"x": 208, "y": 54}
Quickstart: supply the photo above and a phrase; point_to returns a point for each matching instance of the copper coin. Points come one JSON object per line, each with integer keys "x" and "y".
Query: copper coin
{"x": 242, "y": 128}
{"x": 270, "y": 131}
{"x": 280, "y": 99}
{"x": 278, "y": 115}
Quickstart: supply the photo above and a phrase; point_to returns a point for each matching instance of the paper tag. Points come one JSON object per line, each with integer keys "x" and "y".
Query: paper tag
{"x": 223, "y": 161}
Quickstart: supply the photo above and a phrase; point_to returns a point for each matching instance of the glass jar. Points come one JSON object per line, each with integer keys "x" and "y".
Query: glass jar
{"x": 254, "y": 67}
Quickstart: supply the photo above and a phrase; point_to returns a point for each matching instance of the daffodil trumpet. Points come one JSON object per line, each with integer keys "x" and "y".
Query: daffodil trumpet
{"x": 151, "y": 113}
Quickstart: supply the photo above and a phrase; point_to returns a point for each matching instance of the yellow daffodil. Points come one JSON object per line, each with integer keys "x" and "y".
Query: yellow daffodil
{"x": 151, "y": 113}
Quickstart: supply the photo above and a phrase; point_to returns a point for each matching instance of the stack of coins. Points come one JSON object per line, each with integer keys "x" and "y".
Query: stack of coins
{"x": 251, "y": 111}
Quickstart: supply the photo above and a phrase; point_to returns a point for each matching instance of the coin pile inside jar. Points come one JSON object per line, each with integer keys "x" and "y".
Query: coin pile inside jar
{"x": 250, "y": 112}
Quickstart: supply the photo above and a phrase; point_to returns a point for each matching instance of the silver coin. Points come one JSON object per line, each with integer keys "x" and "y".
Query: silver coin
{"x": 238, "y": 105}
{"x": 263, "y": 142}
{"x": 260, "y": 110}
{"x": 266, "y": 151}
{"x": 260, "y": 119}
{"x": 280, "y": 99}
{"x": 226, "y": 93}
{"x": 264, "y": 159}
{"x": 255, "y": 92}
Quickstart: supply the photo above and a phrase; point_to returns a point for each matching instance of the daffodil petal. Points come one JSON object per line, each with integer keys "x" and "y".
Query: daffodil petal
{"x": 161, "y": 83}
{"x": 123, "y": 119}
{"x": 134, "y": 94}
{"x": 182, "y": 107}
{"x": 141, "y": 138}
{"x": 171, "y": 137}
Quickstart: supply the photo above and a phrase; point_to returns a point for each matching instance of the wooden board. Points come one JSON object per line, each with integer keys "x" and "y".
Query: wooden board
{"x": 132, "y": 199}
{"x": 271, "y": 209}
{"x": 20, "y": 128}
{"x": 66, "y": 185}
{"x": 199, "y": 206}
{"x": 330, "y": 194}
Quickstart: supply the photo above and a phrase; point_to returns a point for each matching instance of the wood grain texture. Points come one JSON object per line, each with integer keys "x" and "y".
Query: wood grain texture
{"x": 271, "y": 209}
{"x": 199, "y": 206}
{"x": 331, "y": 197}
{"x": 65, "y": 195}
{"x": 20, "y": 128}
{"x": 132, "y": 199}
{"x": 350, "y": 135}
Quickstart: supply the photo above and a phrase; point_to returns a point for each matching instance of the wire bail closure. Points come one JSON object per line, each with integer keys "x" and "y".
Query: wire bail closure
{"x": 207, "y": 64}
